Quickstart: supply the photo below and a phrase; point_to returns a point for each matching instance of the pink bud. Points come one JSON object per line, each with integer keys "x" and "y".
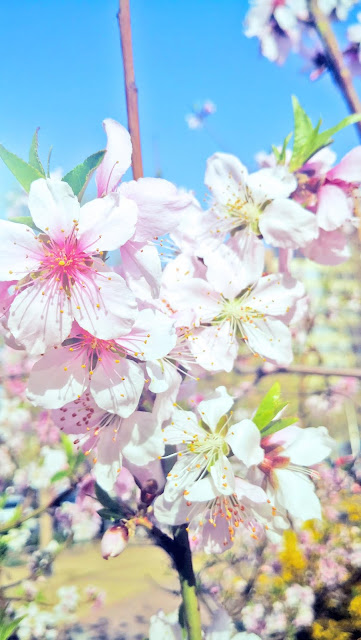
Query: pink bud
{"x": 114, "y": 541}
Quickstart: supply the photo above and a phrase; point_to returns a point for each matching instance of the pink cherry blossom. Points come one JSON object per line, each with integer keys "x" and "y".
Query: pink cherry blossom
{"x": 60, "y": 275}
{"x": 109, "y": 438}
{"x": 111, "y": 368}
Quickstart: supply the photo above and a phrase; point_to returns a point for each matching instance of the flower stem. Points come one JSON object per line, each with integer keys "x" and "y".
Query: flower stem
{"x": 182, "y": 557}
{"x": 131, "y": 90}
{"x": 341, "y": 74}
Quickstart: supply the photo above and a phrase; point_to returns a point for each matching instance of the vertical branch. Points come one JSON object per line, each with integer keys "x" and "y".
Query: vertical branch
{"x": 334, "y": 57}
{"x": 182, "y": 557}
{"x": 131, "y": 90}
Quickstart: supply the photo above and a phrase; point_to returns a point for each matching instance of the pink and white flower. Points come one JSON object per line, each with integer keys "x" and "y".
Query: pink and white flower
{"x": 109, "y": 438}
{"x": 206, "y": 441}
{"x": 234, "y": 303}
{"x": 258, "y": 202}
{"x": 59, "y": 273}
{"x": 112, "y": 369}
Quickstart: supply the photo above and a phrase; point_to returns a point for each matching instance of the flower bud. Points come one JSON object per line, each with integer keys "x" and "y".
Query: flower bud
{"x": 114, "y": 541}
{"x": 149, "y": 491}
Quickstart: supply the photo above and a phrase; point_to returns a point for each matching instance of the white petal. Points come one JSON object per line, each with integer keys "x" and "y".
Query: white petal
{"x": 311, "y": 446}
{"x": 296, "y": 493}
{"x": 244, "y": 439}
{"x": 141, "y": 438}
{"x": 106, "y": 223}
{"x": 39, "y": 321}
{"x": 270, "y": 339}
{"x": 270, "y": 183}
{"x": 152, "y": 335}
{"x": 117, "y": 158}
{"x": 172, "y": 512}
{"x": 223, "y": 476}
{"x": 107, "y": 307}
{"x": 118, "y": 390}
{"x": 202, "y": 490}
{"x": 53, "y": 207}
{"x": 215, "y": 407}
{"x": 183, "y": 427}
{"x": 23, "y": 252}
{"x": 276, "y": 294}
{"x": 224, "y": 175}
{"x": 333, "y": 207}
{"x": 56, "y": 379}
{"x": 109, "y": 460}
{"x": 214, "y": 348}
{"x": 163, "y": 375}
{"x": 284, "y": 223}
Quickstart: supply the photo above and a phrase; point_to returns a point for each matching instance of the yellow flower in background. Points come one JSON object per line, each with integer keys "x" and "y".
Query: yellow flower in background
{"x": 293, "y": 561}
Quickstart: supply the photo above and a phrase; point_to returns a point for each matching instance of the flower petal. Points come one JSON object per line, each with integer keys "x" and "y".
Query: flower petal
{"x": 214, "y": 348}
{"x": 105, "y": 306}
{"x": 53, "y": 207}
{"x": 224, "y": 175}
{"x": 215, "y": 407}
{"x": 244, "y": 439}
{"x": 141, "y": 438}
{"x": 117, "y": 158}
{"x": 106, "y": 223}
{"x": 349, "y": 169}
{"x": 333, "y": 207}
{"x": 270, "y": 338}
{"x": 296, "y": 493}
{"x": 311, "y": 446}
{"x": 23, "y": 252}
{"x": 284, "y": 223}
{"x": 56, "y": 379}
{"x": 118, "y": 390}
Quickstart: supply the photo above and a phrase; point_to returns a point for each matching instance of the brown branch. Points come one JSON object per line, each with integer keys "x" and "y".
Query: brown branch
{"x": 334, "y": 58}
{"x": 131, "y": 90}
{"x": 303, "y": 370}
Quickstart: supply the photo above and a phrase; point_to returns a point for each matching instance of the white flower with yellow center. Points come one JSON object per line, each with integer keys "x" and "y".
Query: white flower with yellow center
{"x": 207, "y": 441}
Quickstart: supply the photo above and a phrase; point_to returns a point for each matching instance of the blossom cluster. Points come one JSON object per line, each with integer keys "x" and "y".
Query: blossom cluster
{"x": 282, "y": 26}
{"x": 112, "y": 347}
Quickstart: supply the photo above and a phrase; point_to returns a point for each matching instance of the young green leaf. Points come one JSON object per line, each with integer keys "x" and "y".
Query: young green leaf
{"x": 269, "y": 407}
{"x": 34, "y": 159}
{"x": 25, "y": 220}
{"x": 59, "y": 475}
{"x": 105, "y": 499}
{"x": 68, "y": 447}
{"x": 7, "y": 630}
{"x": 79, "y": 177}
{"x": 277, "y": 425}
{"x": 23, "y": 172}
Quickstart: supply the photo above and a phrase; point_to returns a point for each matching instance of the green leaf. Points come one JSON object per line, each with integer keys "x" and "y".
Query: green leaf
{"x": 59, "y": 475}
{"x": 25, "y": 220}
{"x": 282, "y": 154}
{"x": 108, "y": 514}
{"x": 34, "y": 159}
{"x": 23, "y": 172}
{"x": 270, "y": 406}
{"x": 68, "y": 447}
{"x": 307, "y": 139}
{"x": 277, "y": 425}
{"x": 106, "y": 500}
{"x": 15, "y": 516}
{"x": 8, "y": 629}
{"x": 79, "y": 177}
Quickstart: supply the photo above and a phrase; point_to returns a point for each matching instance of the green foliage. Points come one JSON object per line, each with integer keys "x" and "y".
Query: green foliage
{"x": 79, "y": 177}
{"x": 74, "y": 458}
{"x": 281, "y": 155}
{"x": 25, "y": 173}
{"x": 59, "y": 475}
{"x": 113, "y": 509}
{"x": 8, "y": 628}
{"x": 25, "y": 220}
{"x": 269, "y": 407}
{"x": 307, "y": 138}
{"x": 277, "y": 425}
{"x": 34, "y": 159}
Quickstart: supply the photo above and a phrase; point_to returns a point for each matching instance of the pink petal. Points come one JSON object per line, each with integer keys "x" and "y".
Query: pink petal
{"x": 56, "y": 379}
{"x": 330, "y": 248}
{"x": 224, "y": 175}
{"x": 141, "y": 438}
{"x": 333, "y": 207}
{"x": 152, "y": 336}
{"x": 159, "y": 206}
{"x": 117, "y": 158}
{"x": 142, "y": 268}
{"x": 349, "y": 169}
{"x": 108, "y": 308}
{"x": 39, "y": 321}
{"x": 118, "y": 389}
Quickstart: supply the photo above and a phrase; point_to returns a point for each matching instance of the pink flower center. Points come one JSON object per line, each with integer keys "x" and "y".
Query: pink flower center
{"x": 65, "y": 263}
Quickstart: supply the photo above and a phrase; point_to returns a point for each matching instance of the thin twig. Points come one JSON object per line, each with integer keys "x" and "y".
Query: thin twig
{"x": 131, "y": 90}
{"x": 301, "y": 369}
{"x": 334, "y": 58}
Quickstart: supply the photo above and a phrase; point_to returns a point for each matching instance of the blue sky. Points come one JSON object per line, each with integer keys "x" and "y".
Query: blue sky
{"x": 61, "y": 70}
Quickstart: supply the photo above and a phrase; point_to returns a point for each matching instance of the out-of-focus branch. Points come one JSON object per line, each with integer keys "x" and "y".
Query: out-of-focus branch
{"x": 334, "y": 58}
{"x": 131, "y": 90}
{"x": 301, "y": 369}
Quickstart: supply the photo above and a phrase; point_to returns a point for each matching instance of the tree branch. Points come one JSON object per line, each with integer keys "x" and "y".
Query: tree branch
{"x": 303, "y": 370}
{"x": 131, "y": 90}
{"x": 341, "y": 74}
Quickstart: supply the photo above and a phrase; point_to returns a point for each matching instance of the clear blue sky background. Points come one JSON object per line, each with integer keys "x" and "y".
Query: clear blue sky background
{"x": 61, "y": 70}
